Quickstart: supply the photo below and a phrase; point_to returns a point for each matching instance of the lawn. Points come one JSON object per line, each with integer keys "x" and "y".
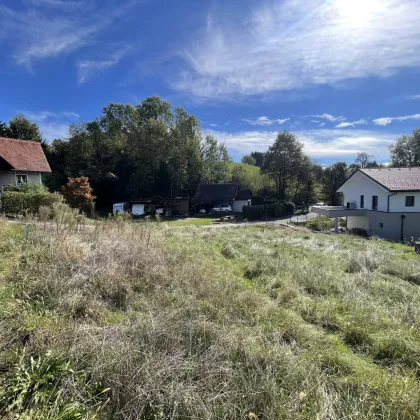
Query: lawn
{"x": 136, "y": 321}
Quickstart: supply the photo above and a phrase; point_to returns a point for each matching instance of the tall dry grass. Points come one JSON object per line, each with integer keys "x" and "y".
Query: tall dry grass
{"x": 139, "y": 321}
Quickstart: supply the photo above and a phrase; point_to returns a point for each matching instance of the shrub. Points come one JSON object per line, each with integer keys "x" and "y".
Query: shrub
{"x": 78, "y": 194}
{"x": 271, "y": 210}
{"x": 17, "y": 202}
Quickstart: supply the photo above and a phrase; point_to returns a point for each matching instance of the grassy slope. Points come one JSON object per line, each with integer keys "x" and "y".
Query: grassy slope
{"x": 249, "y": 168}
{"x": 203, "y": 323}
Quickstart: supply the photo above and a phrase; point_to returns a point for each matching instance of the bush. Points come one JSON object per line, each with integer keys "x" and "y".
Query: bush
{"x": 272, "y": 210}
{"x": 78, "y": 194}
{"x": 18, "y": 202}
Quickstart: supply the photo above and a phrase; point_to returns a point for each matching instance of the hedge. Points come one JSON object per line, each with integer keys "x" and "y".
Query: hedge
{"x": 14, "y": 202}
{"x": 268, "y": 211}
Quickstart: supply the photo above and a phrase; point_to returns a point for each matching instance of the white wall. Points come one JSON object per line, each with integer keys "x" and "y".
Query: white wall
{"x": 238, "y": 205}
{"x": 397, "y": 202}
{"x": 360, "y": 184}
{"x": 361, "y": 222}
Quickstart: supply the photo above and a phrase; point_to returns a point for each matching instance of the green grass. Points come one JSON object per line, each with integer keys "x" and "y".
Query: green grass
{"x": 191, "y": 221}
{"x": 139, "y": 321}
{"x": 249, "y": 168}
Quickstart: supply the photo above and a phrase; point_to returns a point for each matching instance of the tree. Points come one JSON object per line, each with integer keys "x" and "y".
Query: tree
{"x": 334, "y": 177}
{"x": 215, "y": 161}
{"x": 283, "y": 161}
{"x": 78, "y": 194}
{"x": 4, "y": 130}
{"x": 405, "y": 151}
{"x": 363, "y": 159}
{"x": 259, "y": 158}
{"x": 21, "y": 128}
{"x": 248, "y": 160}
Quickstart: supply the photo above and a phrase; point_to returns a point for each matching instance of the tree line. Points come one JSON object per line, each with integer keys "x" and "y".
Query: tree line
{"x": 151, "y": 150}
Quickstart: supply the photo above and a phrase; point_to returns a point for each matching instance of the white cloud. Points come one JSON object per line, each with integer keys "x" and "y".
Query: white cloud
{"x": 86, "y": 69}
{"x": 53, "y": 125}
{"x": 265, "y": 121}
{"x": 412, "y": 97}
{"x": 318, "y": 143}
{"x": 388, "y": 120}
{"x": 36, "y": 34}
{"x": 45, "y": 115}
{"x": 329, "y": 117}
{"x": 291, "y": 44}
{"x": 322, "y": 124}
{"x": 351, "y": 124}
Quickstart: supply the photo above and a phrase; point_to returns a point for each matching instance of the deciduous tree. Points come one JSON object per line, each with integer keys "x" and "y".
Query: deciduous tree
{"x": 283, "y": 161}
{"x": 405, "y": 151}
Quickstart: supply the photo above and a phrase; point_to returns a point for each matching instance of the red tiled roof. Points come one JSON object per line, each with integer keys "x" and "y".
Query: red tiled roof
{"x": 395, "y": 179}
{"x": 24, "y": 155}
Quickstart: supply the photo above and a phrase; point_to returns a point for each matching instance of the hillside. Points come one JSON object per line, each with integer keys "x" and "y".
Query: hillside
{"x": 248, "y": 168}
{"x": 129, "y": 321}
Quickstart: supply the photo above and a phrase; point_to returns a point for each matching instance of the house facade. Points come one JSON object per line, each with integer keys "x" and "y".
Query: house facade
{"x": 21, "y": 162}
{"x": 384, "y": 202}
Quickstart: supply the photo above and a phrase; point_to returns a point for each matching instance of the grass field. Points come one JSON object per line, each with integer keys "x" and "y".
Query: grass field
{"x": 137, "y": 321}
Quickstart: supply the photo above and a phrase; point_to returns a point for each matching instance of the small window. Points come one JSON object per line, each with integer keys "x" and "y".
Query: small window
{"x": 409, "y": 201}
{"x": 362, "y": 201}
{"x": 21, "y": 179}
{"x": 375, "y": 202}
{"x": 381, "y": 225}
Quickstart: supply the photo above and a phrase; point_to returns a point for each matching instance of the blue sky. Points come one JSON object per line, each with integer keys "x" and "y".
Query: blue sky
{"x": 342, "y": 74}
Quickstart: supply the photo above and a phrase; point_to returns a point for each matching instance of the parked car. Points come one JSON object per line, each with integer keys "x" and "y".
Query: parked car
{"x": 222, "y": 209}
{"x": 321, "y": 204}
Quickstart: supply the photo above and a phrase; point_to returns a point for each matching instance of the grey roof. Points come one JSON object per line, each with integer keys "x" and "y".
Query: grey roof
{"x": 395, "y": 179}
{"x": 208, "y": 193}
{"x": 244, "y": 194}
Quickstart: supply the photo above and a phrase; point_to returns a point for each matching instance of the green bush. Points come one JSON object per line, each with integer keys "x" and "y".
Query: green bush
{"x": 268, "y": 211}
{"x": 17, "y": 202}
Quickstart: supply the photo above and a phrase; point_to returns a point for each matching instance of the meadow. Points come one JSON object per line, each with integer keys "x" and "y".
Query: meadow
{"x": 125, "y": 320}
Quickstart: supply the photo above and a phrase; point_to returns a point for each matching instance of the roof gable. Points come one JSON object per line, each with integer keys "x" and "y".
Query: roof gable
{"x": 24, "y": 155}
{"x": 392, "y": 179}
{"x": 395, "y": 179}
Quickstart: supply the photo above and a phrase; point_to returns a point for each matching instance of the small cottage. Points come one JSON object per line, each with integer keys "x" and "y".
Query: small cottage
{"x": 21, "y": 162}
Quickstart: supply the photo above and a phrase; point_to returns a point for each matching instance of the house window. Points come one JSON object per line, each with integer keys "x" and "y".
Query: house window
{"x": 381, "y": 225}
{"x": 362, "y": 201}
{"x": 375, "y": 202}
{"x": 409, "y": 201}
{"x": 21, "y": 179}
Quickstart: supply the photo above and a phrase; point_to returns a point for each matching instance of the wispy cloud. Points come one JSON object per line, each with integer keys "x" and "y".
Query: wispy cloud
{"x": 412, "y": 97}
{"x": 67, "y": 4}
{"x": 53, "y": 125}
{"x": 45, "y": 115}
{"x": 265, "y": 121}
{"x": 329, "y": 117}
{"x": 351, "y": 124}
{"x": 388, "y": 120}
{"x": 36, "y": 34}
{"x": 319, "y": 143}
{"x": 86, "y": 69}
{"x": 292, "y": 44}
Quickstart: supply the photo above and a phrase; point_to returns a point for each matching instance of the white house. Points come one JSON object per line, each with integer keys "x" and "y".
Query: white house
{"x": 384, "y": 202}
{"x": 21, "y": 162}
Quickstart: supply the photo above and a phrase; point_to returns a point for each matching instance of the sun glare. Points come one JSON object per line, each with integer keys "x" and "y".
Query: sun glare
{"x": 358, "y": 12}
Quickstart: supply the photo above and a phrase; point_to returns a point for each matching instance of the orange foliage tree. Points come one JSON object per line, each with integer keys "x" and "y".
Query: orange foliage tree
{"x": 78, "y": 194}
